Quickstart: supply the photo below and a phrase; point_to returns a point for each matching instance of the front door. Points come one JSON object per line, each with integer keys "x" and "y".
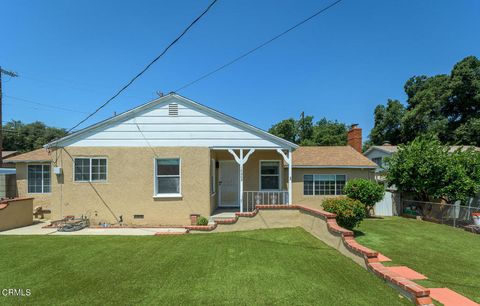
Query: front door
{"x": 228, "y": 182}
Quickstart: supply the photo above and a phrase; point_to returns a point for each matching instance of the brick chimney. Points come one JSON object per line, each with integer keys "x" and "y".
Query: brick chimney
{"x": 354, "y": 137}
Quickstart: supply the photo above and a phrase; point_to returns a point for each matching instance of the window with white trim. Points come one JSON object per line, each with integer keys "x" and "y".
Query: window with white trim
{"x": 212, "y": 176}
{"x": 90, "y": 169}
{"x": 167, "y": 176}
{"x": 324, "y": 184}
{"x": 39, "y": 179}
{"x": 269, "y": 175}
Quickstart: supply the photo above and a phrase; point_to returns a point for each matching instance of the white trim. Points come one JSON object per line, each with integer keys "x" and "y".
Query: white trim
{"x": 90, "y": 169}
{"x": 155, "y": 176}
{"x": 213, "y": 177}
{"x": 321, "y": 195}
{"x": 43, "y": 165}
{"x": 167, "y": 195}
{"x": 334, "y": 167}
{"x": 260, "y": 174}
{"x": 379, "y": 149}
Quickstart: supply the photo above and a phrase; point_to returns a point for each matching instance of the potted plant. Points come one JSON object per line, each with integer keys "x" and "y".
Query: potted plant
{"x": 476, "y": 218}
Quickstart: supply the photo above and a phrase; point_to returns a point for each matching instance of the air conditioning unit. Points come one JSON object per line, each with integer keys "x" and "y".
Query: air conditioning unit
{"x": 57, "y": 170}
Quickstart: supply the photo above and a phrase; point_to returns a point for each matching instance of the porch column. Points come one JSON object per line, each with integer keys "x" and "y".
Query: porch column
{"x": 241, "y": 160}
{"x": 288, "y": 161}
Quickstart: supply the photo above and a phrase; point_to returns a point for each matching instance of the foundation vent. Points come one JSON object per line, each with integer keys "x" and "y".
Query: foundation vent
{"x": 137, "y": 216}
{"x": 173, "y": 109}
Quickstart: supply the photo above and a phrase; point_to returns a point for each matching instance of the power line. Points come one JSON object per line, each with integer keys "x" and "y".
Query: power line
{"x": 46, "y": 105}
{"x": 206, "y": 75}
{"x": 148, "y": 66}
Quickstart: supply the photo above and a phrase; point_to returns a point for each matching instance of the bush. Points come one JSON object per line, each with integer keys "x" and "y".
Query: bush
{"x": 366, "y": 191}
{"x": 349, "y": 212}
{"x": 202, "y": 221}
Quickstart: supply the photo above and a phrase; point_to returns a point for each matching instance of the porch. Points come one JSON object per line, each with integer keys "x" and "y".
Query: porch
{"x": 243, "y": 178}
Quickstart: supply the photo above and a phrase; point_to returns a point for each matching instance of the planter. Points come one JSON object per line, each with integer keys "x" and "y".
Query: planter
{"x": 476, "y": 218}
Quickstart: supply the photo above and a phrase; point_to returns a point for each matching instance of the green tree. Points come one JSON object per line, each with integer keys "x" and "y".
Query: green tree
{"x": 427, "y": 168}
{"x": 388, "y": 122}
{"x": 442, "y": 106}
{"x": 286, "y": 129}
{"x": 330, "y": 133}
{"x": 26, "y": 137}
{"x": 304, "y": 132}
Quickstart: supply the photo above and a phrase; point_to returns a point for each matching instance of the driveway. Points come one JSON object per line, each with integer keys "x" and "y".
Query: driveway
{"x": 37, "y": 229}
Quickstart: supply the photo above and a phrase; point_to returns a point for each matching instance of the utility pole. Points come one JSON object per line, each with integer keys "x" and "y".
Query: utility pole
{"x": 12, "y": 75}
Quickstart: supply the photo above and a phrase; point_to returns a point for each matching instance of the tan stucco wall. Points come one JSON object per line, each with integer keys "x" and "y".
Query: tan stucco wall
{"x": 39, "y": 199}
{"x": 252, "y": 167}
{"x": 315, "y": 201}
{"x": 17, "y": 213}
{"x": 129, "y": 189}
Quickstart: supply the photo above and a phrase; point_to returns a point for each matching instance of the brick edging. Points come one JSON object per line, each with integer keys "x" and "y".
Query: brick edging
{"x": 420, "y": 294}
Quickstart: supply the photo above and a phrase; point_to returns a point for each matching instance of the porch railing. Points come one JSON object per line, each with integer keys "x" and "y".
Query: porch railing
{"x": 253, "y": 198}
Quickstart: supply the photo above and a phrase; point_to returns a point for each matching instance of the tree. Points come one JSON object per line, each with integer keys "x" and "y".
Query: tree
{"x": 366, "y": 191}
{"x": 324, "y": 133}
{"x": 305, "y": 130}
{"x": 388, "y": 123}
{"x": 445, "y": 106}
{"x": 428, "y": 169}
{"x": 26, "y": 137}
{"x": 286, "y": 129}
{"x": 330, "y": 133}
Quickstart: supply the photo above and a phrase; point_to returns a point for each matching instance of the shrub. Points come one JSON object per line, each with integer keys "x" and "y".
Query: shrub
{"x": 349, "y": 212}
{"x": 202, "y": 221}
{"x": 366, "y": 191}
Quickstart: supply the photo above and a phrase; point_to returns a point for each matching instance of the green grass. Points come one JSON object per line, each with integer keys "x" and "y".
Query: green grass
{"x": 449, "y": 257}
{"x": 264, "y": 267}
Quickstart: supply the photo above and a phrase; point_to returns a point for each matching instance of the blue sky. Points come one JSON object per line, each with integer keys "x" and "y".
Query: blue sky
{"x": 340, "y": 65}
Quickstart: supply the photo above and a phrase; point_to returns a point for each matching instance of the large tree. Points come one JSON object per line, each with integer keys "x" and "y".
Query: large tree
{"x": 443, "y": 106}
{"x": 431, "y": 171}
{"x": 22, "y": 137}
{"x": 388, "y": 123}
{"x": 304, "y": 132}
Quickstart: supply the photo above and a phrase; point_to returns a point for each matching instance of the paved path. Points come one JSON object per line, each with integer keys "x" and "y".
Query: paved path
{"x": 37, "y": 229}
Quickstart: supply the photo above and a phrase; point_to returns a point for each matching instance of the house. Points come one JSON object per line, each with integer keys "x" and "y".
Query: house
{"x": 7, "y": 176}
{"x": 171, "y": 158}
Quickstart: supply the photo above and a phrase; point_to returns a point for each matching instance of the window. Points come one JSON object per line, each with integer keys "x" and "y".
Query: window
{"x": 90, "y": 169}
{"x": 168, "y": 176}
{"x": 212, "y": 176}
{"x": 323, "y": 184}
{"x": 39, "y": 179}
{"x": 377, "y": 160}
{"x": 269, "y": 175}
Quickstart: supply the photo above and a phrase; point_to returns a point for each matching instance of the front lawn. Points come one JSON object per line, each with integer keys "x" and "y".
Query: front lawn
{"x": 278, "y": 266}
{"x": 449, "y": 257}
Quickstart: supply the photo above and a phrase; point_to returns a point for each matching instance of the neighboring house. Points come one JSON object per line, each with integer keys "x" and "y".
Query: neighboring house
{"x": 377, "y": 154}
{"x": 7, "y": 176}
{"x": 163, "y": 161}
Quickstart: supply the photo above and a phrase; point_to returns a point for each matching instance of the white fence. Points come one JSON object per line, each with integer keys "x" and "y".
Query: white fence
{"x": 253, "y": 198}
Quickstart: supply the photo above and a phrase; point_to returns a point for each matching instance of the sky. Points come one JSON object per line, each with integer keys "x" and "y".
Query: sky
{"x": 74, "y": 55}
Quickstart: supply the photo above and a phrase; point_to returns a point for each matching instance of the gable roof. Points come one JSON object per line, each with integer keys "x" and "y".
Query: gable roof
{"x": 163, "y": 102}
{"x": 39, "y": 155}
{"x": 330, "y": 157}
{"x": 389, "y": 149}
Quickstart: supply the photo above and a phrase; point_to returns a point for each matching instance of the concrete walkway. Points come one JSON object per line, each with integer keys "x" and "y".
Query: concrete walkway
{"x": 37, "y": 229}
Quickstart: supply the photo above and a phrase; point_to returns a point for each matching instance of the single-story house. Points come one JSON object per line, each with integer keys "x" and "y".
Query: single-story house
{"x": 163, "y": 161}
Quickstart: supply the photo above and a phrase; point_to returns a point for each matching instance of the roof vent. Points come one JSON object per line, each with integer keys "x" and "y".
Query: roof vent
{"x": 173, "y": 109}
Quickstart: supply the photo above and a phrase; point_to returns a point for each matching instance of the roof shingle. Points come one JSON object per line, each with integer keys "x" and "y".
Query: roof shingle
{"x": 330, "y": 156}
{"x": 39, "y": 155}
